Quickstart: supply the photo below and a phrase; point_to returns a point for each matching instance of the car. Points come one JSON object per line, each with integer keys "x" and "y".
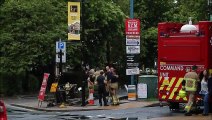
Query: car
{"x": 3, "y": 111}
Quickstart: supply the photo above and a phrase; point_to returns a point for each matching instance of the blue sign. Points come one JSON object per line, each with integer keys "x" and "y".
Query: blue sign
{"x": 61, "y": 45}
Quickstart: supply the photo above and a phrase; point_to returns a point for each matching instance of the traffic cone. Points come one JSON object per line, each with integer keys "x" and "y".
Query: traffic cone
{"x": 91, "y": 98}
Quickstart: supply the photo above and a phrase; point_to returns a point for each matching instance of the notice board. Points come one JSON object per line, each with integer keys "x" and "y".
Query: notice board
{"x": 142, "y": 90}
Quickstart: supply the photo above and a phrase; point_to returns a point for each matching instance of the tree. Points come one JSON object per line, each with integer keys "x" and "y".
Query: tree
{"x": 28, "y": 33}
{"x": 124, "y": 6}
{"x": 183, "y": 9}
{"x": 152, "y": 12}
{"x": 29, "y": 30}
{"x": 104, "y": 26}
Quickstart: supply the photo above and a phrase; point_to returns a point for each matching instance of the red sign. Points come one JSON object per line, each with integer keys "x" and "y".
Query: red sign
{"x": 43, "y": 87}
{"x": 132, "y": 26}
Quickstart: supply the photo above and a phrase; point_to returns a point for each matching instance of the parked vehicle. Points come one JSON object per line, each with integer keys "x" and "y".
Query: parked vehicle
{"x": 3, "y": 111}
{"x": 179, "y": 48}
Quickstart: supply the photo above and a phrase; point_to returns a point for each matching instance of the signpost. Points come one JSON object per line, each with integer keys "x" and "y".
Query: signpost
{"x": 132, "y": 30}
{"x": 60, "y": 54}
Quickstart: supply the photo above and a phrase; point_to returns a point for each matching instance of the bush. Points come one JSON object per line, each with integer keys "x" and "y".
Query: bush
{"x": 33, "y": 84}
{"x": 10, "y": 83}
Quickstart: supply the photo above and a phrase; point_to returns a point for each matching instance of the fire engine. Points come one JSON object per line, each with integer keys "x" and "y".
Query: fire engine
{"x": 180, "y": 46}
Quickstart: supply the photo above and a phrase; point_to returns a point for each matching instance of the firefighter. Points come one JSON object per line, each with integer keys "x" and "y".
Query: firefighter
{"x": 190, "y": 85}
{"x": 114, "y": 87}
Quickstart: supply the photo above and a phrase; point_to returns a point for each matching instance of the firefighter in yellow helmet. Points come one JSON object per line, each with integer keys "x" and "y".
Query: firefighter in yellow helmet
{"x": 190, "y": 85}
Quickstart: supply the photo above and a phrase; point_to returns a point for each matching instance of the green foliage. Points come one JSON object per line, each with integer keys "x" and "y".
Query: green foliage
{"x": 28, "y": 33}
{"x": 104, "y": 25}
{"x": 124, "y": 6}
{"x": 11, "y": 83}
{"x": 152, "y": 12}
{"x": 33, "y": 84}
{"x": 183, "y": 9}
{"x": 149, "y": 47}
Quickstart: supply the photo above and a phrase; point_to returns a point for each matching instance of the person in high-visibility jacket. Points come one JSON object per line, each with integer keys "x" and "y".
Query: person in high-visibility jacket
{"x": 190, "y": 85}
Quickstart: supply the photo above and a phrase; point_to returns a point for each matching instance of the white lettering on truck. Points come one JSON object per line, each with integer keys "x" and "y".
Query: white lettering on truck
{"x": 171, "y": 67}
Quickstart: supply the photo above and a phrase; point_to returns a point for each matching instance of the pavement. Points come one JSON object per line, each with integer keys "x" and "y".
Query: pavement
{"x": 31, "y": 102}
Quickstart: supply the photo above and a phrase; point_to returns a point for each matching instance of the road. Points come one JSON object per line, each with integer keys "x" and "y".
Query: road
{"x": 156, "y": 113}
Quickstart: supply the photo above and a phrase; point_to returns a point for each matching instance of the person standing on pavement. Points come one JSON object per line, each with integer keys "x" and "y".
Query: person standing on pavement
{"x": 101, "y": 89}
{"x": 204, "y": 91}
{"x": 90, "y": 80}
{"x": 108, "y": 75}
{"x": 114, "y": 87}
{"x": 190, "y": 85}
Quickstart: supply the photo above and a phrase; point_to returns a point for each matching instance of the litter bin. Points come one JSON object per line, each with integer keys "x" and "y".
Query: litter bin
{"x": 151, "y": 82}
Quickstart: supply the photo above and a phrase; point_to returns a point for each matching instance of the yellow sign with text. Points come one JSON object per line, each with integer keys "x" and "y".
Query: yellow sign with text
{"x": 73, "y": 20}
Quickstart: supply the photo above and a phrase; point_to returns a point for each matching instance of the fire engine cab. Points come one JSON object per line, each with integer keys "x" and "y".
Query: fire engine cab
{"x": 179, "y": 48}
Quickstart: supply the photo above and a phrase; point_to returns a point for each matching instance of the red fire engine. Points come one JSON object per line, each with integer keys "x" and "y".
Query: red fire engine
{"x": 179, "y": 47}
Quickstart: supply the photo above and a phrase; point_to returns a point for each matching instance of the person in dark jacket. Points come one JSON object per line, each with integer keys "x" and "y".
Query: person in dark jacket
{"x": 101, "y": 89}
{"x": 114, "y": 87}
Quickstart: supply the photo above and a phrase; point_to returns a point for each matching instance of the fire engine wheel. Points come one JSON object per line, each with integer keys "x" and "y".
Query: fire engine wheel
{"x": 174, "y": 106}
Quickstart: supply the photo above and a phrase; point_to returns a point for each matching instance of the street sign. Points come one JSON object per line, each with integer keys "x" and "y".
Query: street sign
{"x": 132, "y": 65}
{"x": 132, "y": 39}
{"x": 132, "y": 26}
{"x": 130, "y": 58}
{"x": 60, "y": 46}
{"x": 63, "y": 57}
{"x": 132, "y": 61}
{"x": 133, "y": 49}
{"x": 132, "y": 71}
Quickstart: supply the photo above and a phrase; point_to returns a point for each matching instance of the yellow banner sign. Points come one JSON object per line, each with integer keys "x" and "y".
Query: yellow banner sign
{"x": 73, "y": 20}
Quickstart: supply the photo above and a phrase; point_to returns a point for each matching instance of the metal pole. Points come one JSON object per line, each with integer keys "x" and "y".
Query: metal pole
{"x": 60, "y": 64}
{"x": 131, "y": 8}
{"x": 83, "y": 37}
{"x": 131, "y": 16}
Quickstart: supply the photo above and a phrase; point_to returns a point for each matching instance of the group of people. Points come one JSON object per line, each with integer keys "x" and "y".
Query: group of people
{"x": 107, "y": 83}
{"x": 192, "y": 83}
